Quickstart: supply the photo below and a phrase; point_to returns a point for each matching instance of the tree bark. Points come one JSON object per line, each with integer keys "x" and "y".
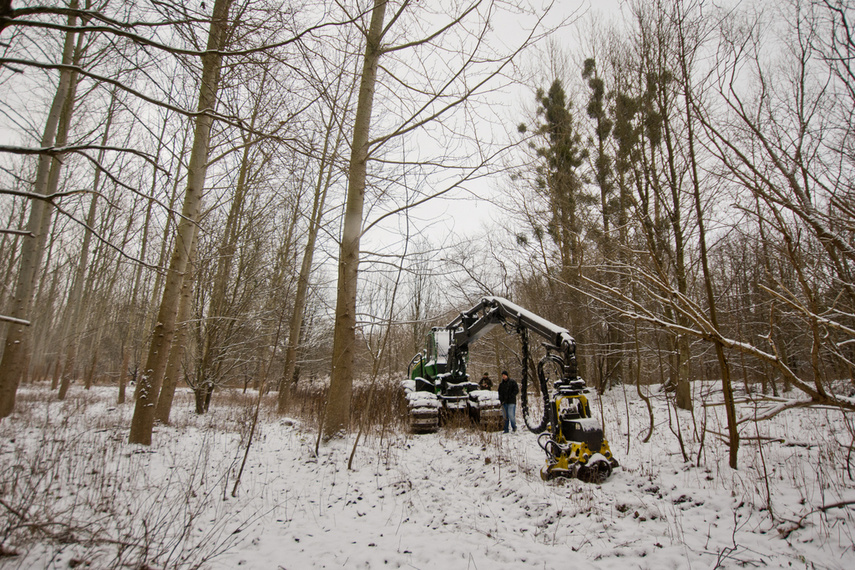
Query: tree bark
{"x": 337, "y": 414}
{"x": 13, "y": 364}
{"x": 289, "y": 374}
{"x": 151, "y": 379}
{"x": 176, "y": 354}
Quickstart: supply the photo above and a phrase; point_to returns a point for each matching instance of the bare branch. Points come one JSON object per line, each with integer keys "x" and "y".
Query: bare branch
{"x": 9, "y": 231}
{"x": 118, "y": 29}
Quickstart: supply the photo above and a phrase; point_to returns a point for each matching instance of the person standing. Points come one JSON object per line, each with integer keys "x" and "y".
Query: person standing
{"x": 486, "y": 382}
{"x": 508, "y": 391}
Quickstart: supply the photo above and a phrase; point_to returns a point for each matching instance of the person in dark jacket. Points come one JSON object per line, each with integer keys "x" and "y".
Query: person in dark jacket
{"x": 486, "y": 382}
{"x": 508, "y": 391}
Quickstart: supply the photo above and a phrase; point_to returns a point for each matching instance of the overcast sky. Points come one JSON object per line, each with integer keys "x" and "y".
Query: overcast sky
{"x": 467, "y": 214}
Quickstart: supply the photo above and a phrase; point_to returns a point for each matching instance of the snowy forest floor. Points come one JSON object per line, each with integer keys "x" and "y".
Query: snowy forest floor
{"x": 74, "y": 493}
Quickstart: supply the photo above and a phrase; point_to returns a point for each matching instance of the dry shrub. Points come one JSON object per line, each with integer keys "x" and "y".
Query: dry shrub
{"x": 74, "y": 492}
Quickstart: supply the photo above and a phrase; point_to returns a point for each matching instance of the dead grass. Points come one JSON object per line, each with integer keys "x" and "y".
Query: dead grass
{"x": 74, "y": 492}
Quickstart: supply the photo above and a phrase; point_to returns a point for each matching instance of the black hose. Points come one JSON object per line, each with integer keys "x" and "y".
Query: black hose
{"x": 544, "y": 392}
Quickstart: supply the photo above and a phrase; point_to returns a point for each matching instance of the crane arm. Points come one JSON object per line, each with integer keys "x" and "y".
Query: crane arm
{"x": 490, "y": 312}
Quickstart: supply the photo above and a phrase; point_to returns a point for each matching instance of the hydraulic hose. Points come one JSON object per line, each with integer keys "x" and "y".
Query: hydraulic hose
{"x": 532, "y": 423}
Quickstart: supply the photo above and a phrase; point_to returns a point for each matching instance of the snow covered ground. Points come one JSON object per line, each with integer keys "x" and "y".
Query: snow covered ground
{"x": 75, "y": 494}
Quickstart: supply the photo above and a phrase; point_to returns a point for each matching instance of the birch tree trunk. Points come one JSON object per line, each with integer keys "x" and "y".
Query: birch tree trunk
{"x": 155, "y": 366}
{"x": 13, "y": 364}
{"x": 337, "y": 414}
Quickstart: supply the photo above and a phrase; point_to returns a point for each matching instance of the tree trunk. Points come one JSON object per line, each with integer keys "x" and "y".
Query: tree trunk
{"x": 289, "y": 374}
{"x": 138, "y": 314}
{"x": 57, "y": 370}
{"x": 73, "y": 326}
{"x": 724, "y": 367}
{"x": 683, "y": 353}
{"x": 155, "y": 366}
{"x": 9, "y": 246}
{"x": 89, "y": 378}
{"x": 212, "y": 344}
{"x": 176, "y": 355}
{"x": 123, "y": 375}
{"x": 148, "y": 313}
{"x": 12, "y": 366}
{"x": 337, "y": 414}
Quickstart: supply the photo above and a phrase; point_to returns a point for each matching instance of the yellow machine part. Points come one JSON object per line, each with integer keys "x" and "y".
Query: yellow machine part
{"x": 578, "y": 453}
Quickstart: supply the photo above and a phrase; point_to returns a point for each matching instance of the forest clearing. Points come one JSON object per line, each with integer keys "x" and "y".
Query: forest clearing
{"x": 234, "y": 232}
{"x": 77, "y": 495}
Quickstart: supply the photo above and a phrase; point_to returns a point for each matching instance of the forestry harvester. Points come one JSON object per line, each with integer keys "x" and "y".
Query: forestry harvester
{"x": 554, "y": 404}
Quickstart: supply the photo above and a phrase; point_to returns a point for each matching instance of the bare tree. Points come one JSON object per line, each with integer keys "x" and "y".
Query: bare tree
{"x": 155, "y": 366}
{"x": 687, "y": 34}
{"x": 218, "y": 322}
{"x": 12, "y": 366}
{"x": 75, "y": 296}
{"x": 756, "y": 122}
{"x": 778, "y": 143}
{"x": 467, "y": 75}
{"x": 332, "y": 137}
{"x": 337, "y": 415}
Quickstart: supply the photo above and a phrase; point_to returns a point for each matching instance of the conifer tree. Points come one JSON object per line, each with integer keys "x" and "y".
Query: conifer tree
{"x": 558, "y": 178}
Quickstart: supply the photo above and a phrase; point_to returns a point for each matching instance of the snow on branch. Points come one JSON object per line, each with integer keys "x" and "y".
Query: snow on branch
{"x": 10, "y": 231}
{"x": 637, "y": 312}
{"x": 13, "y": 320}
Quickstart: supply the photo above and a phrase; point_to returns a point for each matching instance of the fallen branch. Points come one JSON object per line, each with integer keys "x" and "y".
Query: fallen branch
{"x": 786, "y": 532}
